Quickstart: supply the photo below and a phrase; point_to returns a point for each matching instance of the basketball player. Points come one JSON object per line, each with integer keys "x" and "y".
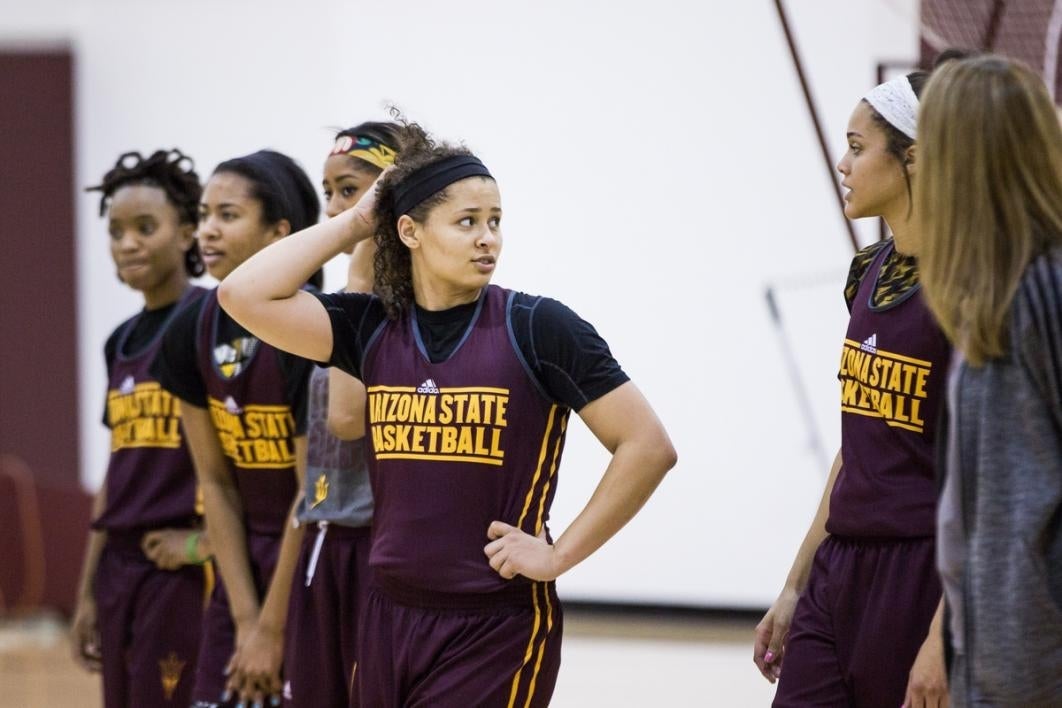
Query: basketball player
{"x": 244, "y": 412}
{"x": 141, "y": 593}
{"x": 469, "y": 392}
{"x": 331, "y": 578}
{"x": 858, "y": 621}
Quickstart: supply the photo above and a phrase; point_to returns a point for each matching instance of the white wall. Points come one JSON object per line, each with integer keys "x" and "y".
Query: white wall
{"x": 658, "y": 172}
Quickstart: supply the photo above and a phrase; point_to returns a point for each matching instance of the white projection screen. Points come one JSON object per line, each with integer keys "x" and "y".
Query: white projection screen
{"x": 659, "y": 174}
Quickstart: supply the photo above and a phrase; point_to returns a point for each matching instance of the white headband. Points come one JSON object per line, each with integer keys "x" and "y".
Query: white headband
{"x": 897, "y": 103}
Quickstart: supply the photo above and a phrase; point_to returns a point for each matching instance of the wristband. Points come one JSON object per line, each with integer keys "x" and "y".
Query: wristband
{"x": 191, "y": 550}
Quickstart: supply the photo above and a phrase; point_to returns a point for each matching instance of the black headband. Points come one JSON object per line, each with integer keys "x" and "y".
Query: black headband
{"x": 434, "y": 178}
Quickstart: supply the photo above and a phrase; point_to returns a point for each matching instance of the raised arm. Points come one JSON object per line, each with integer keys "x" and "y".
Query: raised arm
{"x": 264, "y": 293}
{"x": 642, "y": 454}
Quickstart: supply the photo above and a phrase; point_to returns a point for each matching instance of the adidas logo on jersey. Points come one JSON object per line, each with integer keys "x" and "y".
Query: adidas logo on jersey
{"x": 128, "y": 385}
{"x": 231, "y": 406}
{"x": 428, "y": 387}
{"x": 870, "y": 344}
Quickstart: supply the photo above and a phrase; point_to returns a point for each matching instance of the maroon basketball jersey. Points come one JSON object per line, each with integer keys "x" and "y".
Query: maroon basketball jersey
{"x": 248, "y": 404}
{"x": 454, "y": 446}
{"x": 893, "y": 369}
{"x": 150, "y": 478}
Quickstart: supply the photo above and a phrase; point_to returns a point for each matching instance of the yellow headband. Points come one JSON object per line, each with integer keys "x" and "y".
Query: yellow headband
{"x": 365, "y": 148}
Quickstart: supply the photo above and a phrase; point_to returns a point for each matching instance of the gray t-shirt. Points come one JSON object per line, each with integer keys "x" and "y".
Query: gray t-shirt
{"x": 951, "y": 546}
{"x": 1006, "y": 460}
{"x": 337, "y": 481}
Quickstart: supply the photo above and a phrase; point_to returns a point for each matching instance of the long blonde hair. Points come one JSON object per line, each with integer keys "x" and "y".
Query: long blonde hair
{"x": 988, "y": 197}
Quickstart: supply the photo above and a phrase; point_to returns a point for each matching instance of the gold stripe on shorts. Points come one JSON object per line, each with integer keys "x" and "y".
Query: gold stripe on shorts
{"x": 529, "y": 652}
{"x": 541, "y": 645}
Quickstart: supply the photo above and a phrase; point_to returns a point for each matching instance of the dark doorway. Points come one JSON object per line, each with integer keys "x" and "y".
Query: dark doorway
{"x": 43, "y": 512}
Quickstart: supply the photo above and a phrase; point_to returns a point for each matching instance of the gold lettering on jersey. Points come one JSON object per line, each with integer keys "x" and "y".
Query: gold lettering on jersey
{"x": 255, "y": 437}
{"x": 146, "y": 416}
{"x": 884, "y": 385}
{"x": 453, "y": 425}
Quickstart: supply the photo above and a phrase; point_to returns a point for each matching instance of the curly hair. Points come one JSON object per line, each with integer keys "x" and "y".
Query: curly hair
{"x": 392, "y": 265}
{"x": 171, "y": 171}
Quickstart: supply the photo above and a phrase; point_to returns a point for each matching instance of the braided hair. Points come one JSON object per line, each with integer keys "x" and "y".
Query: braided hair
{"x": 171, "y": 171}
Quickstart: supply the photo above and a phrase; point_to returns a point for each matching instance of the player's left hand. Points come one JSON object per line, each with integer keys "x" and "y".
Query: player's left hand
{"x": 255, "y": 675}
{"x": 514, "y": 552}
{"x": 166, "y": 547}
{"x": 927, "y": 685}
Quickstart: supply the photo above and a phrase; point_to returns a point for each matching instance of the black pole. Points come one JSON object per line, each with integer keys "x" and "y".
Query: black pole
{"x": 815, "y": 120}
{"x": 992, "y": 29}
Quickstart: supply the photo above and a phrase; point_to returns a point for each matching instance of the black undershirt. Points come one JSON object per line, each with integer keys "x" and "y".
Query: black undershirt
{"x": 566, "y": 355}
{"x": 177, "y": 365}
{"x": 442, "y": 330}
{"x": 145, "y": 329}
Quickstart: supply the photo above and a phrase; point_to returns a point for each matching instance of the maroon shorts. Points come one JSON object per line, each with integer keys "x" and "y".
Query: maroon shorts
{"x": 219, "y": 631}
{"x": 149, "y": 622}
{"x": 860, "y": 623}
{"x": 447, "y": 656}
{"x": 328, "y": 597}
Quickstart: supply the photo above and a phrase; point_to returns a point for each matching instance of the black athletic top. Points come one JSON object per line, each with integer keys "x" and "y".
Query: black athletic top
{"x": 177, "y": 368}
{"x": 566, "y": 355}
{"x": 145, "y": 328}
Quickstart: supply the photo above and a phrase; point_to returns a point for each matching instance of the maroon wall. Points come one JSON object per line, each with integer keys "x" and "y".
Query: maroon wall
{"x": 38, "y": 333}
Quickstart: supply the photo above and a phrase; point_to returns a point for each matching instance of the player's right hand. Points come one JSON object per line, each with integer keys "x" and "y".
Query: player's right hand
{"x": 771, "y": 632}
{"x": 364, "y": 211}
{"x": 85, "y": 635}
{"x": 166, "y": 547}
